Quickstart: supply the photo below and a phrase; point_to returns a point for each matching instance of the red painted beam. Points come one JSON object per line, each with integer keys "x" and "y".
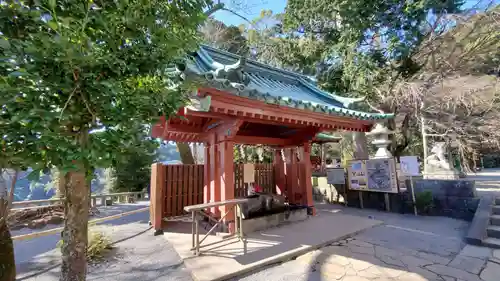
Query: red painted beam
{"x": 261, "y": 140}
{"x": 243, "y": 107}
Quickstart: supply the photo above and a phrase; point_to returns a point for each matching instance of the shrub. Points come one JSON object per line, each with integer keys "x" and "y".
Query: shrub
{"x": 98, "y": 246}
{"x": 424, "y": 201}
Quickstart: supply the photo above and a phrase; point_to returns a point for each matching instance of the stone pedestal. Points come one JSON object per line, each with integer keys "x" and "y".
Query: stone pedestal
{"x": 441, "y": 174}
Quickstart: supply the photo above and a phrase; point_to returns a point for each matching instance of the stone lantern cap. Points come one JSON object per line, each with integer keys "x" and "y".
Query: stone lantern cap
{"x": 380, "y": 129}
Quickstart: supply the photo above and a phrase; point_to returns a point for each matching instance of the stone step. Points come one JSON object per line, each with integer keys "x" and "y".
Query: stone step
{"x": 493, "y": 231}
{"x": 495, "y": 220}
{"x": 492, "y": 243}
{"x": 496, "y": 210}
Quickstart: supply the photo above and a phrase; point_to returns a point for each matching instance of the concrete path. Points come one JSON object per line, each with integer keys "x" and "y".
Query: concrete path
{"x": 26, "y": 250}
{"x": 487, "y": 182}
{"x": 228, "y": 259}
{"x": 139, "y": 256}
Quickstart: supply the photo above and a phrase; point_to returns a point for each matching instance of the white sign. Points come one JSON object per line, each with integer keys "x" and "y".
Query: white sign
{"x": 335, "y": 176}
{"x": 409, "y": 165}
{"x": 248, "y": 173}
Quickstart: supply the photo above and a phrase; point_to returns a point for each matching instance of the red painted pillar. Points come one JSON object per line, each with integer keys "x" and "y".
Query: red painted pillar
{"x": 226, "y": 173}
{"x": 214, "y": 174}
{"x": 157, "y": 200}
{"x": 291, "y": 174}
{"x": 307, "y": 172}
{"x": 279, "y": 172}
{"x": 206, "y": 173}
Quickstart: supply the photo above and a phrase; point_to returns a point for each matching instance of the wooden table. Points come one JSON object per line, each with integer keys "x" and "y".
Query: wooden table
{"x": 197, "y": 213}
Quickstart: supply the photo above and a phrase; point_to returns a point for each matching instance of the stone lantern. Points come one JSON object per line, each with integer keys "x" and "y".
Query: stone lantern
{"x": 381, "y": 140}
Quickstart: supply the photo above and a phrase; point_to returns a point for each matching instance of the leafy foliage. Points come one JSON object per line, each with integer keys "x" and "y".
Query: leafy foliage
{"x": 361, "y": 39}
{"x": 424, "y": 201}
{"x": 78, "y": 80}
{"x": 132, "y": 172}
{"x": 98, "y": 246}
{"x": 228, "y": 38}
{"x": 74, "y": 67}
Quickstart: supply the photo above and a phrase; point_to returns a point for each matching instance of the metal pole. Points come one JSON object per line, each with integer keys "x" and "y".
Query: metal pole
{"x": 236, "y": 230}
{"x": 424, "y": 143}
{"x": 242, "y": 238}
{"x": 197, "y": 229}
{"x": 413, "y": 196}
{"x": 193, "y": 216}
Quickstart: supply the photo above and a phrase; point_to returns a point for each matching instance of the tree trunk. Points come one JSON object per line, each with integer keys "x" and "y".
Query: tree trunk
{"x": 74, "y": 235}
{"x": 185, "y": 153}
{"x": 61, "y": 183}
{"x": 7, "y": 262}
{"x": 360, "y": 145}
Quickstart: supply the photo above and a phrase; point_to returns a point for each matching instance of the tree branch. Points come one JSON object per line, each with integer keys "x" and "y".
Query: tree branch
{"x": 214, "y": 8}
{"x": 238, "y": 15}
{"x": 374, "y": 108}
{"x": 11, "y": 192}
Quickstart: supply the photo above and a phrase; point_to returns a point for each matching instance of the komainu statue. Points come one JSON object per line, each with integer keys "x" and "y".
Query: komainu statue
{"x": 437, "y": 164}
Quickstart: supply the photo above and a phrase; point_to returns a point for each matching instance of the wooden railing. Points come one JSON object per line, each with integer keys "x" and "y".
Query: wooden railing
{"x": 96, "y": 200}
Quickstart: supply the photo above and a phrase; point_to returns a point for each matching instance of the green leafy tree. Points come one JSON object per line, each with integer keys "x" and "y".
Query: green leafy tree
{"x": 8, "y": 180}
{"x": 75, "y": 74}
{"x": 367, "y": 47}
{"x": 228, "y": 38}
{"x": 132, "y": 169}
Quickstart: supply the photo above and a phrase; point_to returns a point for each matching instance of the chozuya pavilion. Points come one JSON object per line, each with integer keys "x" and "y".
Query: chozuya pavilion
{"x": 247, "y": 102}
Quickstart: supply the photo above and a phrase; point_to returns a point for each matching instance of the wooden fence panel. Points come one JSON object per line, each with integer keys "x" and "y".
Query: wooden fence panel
{"x": 184, "y": 184}
{"x": 240, "y": 189}
{"x": 264, "y": 177}
{"x": 169, "y": 211}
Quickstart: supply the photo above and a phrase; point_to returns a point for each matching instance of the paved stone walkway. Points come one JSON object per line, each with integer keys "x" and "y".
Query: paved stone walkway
{"x": 405, "y": 249}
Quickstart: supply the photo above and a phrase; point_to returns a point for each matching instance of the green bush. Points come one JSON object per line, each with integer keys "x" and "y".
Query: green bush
{"x": 424, "y": 201}
{"x": 98, "y": 246}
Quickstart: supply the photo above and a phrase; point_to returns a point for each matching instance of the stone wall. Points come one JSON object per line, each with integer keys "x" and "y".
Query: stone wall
{"x": 323, "y": 192}
{"x": 450, "y": 198}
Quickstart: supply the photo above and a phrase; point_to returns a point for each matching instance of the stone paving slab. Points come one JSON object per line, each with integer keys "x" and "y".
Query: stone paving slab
{"x": 402, "y": 249}
{"x": 278, "y": 244}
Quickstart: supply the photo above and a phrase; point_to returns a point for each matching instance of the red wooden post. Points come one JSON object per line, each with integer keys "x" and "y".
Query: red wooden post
{"x": 214, "y": 174}
{"x": 291, "y": 174}
{"x": 226, "y": 173}
{"x": 206, "y": 173}
{"x": 158, "y": 186}
{"x": 307, "y": 181}
{"x": 279, "y": 172}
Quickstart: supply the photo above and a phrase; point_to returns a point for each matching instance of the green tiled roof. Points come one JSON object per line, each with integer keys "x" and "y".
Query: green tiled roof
{"x": 233, "y": 74}
{"x": 322, "y": 137}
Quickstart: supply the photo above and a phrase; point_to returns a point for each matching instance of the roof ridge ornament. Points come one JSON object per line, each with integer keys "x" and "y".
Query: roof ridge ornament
{"x": 232, "y": 73}
{"x": 241, "y": 76}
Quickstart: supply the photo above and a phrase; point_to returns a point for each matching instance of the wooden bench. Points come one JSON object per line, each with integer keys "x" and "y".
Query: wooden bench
{"x": 197, "y": 212}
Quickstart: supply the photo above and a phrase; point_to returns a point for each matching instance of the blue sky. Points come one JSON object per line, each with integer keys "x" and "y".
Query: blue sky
{"x": 278, "y": 6}
{"x": 255, "y": 6}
